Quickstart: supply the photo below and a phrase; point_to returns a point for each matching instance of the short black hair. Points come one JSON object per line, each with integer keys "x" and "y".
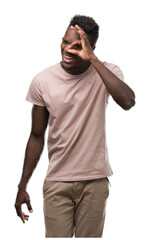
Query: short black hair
{"x": 89, "y": 26}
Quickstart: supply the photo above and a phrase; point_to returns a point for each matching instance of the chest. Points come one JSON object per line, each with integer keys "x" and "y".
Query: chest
{"x": 64, "y": 97}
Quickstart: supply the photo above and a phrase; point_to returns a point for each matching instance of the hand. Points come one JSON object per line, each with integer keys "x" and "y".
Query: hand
{"x": 85, "y": 51}
{"x": 22, "y": 197}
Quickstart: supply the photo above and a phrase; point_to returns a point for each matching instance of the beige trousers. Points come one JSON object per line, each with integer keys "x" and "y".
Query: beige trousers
{"x": 75, "y": 207}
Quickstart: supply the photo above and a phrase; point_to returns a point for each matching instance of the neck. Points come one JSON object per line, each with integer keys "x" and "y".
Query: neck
{"x": 77, "y": 70}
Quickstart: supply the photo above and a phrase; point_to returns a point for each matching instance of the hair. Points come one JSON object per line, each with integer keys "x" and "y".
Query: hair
{"x": 89, "y": 26}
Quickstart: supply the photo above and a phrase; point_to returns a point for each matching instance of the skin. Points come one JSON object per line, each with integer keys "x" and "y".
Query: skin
{"x": 33, "y": 152}
{"x": 122, "y": 94}
{"x": 70, "y": 41}
{"x": 76, "y": 46}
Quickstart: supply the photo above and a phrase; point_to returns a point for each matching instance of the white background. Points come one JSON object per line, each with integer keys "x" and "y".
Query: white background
{"x": 31, "y": 33}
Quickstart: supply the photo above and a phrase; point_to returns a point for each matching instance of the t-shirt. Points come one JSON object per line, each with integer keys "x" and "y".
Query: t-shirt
{"x": 77, "y": 148}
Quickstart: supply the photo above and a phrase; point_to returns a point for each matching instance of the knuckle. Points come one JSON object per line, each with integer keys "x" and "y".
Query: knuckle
{"x": 16, "y": 205}
{"x": 18, "y": 214}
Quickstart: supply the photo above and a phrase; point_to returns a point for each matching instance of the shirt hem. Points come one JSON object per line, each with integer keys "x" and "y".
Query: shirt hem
{"x": 77, "y": 178}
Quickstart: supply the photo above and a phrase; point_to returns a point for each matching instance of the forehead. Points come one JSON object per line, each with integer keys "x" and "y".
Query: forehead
{"x": 71, "y": 35}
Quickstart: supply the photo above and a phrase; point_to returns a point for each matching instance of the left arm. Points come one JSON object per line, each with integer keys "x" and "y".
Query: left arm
{"x": 120, "y": 91}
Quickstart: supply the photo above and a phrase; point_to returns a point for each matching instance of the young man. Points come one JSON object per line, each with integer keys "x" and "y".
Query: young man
{"x": 71, "y": 97}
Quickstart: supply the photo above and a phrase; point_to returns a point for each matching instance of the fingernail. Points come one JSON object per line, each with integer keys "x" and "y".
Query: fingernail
{"x": 31, "y": 211}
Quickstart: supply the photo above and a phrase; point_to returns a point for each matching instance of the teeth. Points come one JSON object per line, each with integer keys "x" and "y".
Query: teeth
{"x": 68, "y": 57}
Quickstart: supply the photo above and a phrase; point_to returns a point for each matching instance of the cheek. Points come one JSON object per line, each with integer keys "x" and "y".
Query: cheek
{"x": 62, "y": 46}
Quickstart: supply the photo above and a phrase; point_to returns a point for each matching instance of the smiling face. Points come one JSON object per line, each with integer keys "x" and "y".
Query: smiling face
{"x": 71, "y": 62}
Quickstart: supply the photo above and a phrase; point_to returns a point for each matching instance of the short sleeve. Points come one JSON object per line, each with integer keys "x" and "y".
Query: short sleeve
{"x": 34, "y": 94}
{"x": 118, "y": 72}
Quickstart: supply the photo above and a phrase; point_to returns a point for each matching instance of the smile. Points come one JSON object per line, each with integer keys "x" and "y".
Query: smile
{"x": 68, "y": 58}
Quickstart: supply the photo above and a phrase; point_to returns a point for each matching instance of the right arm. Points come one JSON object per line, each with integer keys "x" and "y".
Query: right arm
{"x": 33, "y": 152}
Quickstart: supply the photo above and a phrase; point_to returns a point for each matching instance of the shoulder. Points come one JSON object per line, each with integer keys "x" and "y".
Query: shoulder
{"x": 45, "y": 73}
{"x": 42, "y": 79}
{"x": 115, "y": 69}
{"x": 110, "y": 66}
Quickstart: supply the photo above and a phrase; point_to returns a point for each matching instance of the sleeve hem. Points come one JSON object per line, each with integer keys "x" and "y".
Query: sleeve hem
{"x": 34, "y": 102}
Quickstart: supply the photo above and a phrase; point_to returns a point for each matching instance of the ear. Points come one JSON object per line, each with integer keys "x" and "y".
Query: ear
{"x": 93, "y": 47}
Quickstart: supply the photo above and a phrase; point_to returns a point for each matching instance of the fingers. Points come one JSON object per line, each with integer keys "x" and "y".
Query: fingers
{"x": 83, "y": 36}
{"x": 25, "y": 216}
{"x": 79, "y": 31}
{"x": 77, "y": 28}
{"x": 75, "y": 47}
{"x": 73, "y": 51}
{"x": 23, "y": 197}
{"x": 77, "y": 42}
{"x": 29, "y": 206}
{"x": 22, "y": 215}
{"x": 19, "y": 212}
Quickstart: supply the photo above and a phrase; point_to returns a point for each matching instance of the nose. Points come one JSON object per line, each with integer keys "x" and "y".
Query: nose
{"x": 67, "y": 47}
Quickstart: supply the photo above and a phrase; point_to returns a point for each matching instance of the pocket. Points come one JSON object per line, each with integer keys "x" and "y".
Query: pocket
{"x": 108, "y": 181}
{"x": 48, "y": 186}
{"x": 44, "y": 187}
{"x": 104, "y": 186}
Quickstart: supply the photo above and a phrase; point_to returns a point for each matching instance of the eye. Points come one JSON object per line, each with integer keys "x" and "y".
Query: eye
{"x": 77, "y": 47}
{"x": 64, "y": 41}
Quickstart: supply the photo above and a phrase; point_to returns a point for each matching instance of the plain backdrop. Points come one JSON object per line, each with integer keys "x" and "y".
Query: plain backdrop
{"x": 31, "y": 33}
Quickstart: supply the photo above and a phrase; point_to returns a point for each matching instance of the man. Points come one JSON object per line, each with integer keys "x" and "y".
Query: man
{"x": 71, "y": 97}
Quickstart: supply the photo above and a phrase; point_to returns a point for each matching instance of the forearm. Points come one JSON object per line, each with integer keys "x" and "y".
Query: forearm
{"x": 32, "y": 155}
{"x": 119, "y": 90}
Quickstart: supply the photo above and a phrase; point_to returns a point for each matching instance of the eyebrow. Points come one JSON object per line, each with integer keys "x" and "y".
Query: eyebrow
{"x": 64, "y": 40}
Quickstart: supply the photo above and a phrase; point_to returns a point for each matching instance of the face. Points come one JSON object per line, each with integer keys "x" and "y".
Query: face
{"x": 71, "y": 62}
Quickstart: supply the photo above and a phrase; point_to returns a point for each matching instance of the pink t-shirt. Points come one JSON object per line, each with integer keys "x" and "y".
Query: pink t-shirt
{"x": 77, "y": 147}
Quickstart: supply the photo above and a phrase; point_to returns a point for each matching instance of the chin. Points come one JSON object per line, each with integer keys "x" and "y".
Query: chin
{"x": 67, "y": 65}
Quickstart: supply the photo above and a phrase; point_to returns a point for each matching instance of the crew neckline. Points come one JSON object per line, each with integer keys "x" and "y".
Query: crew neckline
{"x": 73, "y": 77}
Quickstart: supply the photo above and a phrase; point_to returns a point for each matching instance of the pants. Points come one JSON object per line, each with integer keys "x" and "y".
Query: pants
{"x": 75, "y": 207}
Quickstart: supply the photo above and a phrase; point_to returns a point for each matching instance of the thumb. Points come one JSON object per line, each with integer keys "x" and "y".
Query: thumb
{"x": 29, "y": 206}
{"x": 73, "y": 51}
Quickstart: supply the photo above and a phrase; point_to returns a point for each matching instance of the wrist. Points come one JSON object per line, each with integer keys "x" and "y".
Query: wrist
{"x": 22, "y": 186}
{"x": 93, "y": 58}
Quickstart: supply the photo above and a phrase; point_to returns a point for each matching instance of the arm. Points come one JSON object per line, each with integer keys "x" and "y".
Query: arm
{"x": 122, "y": 94}
{"x": 120, "y": 91}
{"x": 33, "y": 152}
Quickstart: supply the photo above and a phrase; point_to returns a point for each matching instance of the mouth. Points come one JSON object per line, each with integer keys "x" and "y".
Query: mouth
{"x": 68, "y": 58}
